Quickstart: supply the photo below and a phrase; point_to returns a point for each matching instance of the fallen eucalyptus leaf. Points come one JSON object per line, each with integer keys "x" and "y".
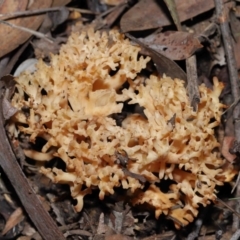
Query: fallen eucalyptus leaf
{"x": 150, "y": 14}
{"x": 12, "y": 38}
{"x": 175, "y": 45}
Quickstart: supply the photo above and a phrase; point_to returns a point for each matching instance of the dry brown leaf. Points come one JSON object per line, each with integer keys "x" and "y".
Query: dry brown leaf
{"x": 15, "y": 218}
{"x": 226, "y": 145}
{"x": 7, "y": 6}
{"x": 147, "y": 14}
{"x": 175, "y": 45}
{"x": 12, "y": 38}
{"x": 58, "y": 3}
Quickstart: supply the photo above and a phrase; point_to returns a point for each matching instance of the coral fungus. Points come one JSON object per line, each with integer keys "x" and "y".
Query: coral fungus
{"x": 72, "y": 102}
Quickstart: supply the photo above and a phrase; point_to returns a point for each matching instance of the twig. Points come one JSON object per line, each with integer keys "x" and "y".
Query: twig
{"x": 233, "y": 76}
{"x": 85, "y": 214}
{"x": 230, "y": 208}
{"x": 198, "y": 225}
{"x": 231, "y": 61}
{"x": 236, "y": 235}
{"x": 232, "y": 106}
{"x": 65, "y": 228}
{"x": 40, "y": 11}
{"x": 111, "y": 17}
{"x": 236, "y": 219}
{"x": 173, "y": 237}
{"x": 191, "y": 63}
{"x": 236, "y": 184}
{"x": 110, "y": 10}
{"x": 192, "y": 85}
{"x": 195, "y": 234}
{"x": 32, "y": 32}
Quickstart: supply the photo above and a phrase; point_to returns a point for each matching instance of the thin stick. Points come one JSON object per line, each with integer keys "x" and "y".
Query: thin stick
{"x": 230, "y": 208}
{"x": 192, "y": 86}
{"x": 110, "y": 10}
{"x": 32, "y": 32}
{"x": 231, "y": 61}
{"x": 236, "y": 235}
{"x": 40, "y": 11}
{"x": 222, "y": 17}
{"x": 236, "y": 184}
{"x": 232, "y": 105}
{"x": 191, "y": 62}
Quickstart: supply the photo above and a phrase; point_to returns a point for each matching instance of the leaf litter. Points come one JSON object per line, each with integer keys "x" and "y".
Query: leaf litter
{"x": 175, "y": 45}
{"x": 112, "y": 218}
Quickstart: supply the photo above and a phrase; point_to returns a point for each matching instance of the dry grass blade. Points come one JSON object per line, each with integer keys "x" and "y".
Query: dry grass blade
{"x": 171, "y": 5}
{"x": 232, "y": 106}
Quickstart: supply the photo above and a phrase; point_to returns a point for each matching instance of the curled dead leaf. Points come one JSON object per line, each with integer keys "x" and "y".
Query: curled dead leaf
{"x": 226, "y": 146}
{"x": 8, "y": 109}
